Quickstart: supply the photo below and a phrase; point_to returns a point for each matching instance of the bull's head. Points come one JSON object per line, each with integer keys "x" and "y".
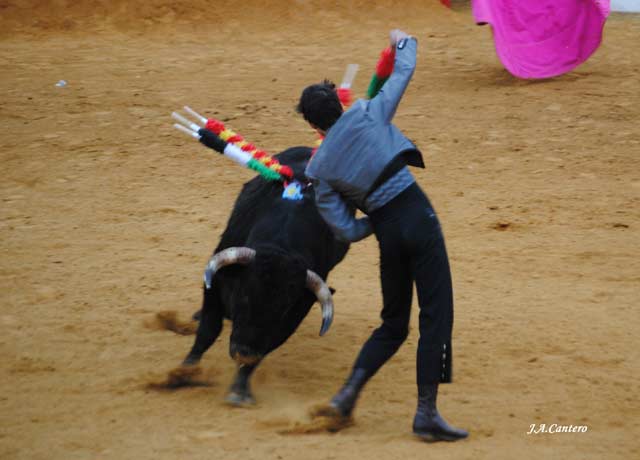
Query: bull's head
{"x": 269, "y": 305}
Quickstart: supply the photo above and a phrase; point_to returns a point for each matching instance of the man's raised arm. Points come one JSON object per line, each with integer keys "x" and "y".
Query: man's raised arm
{"x": 385, "y": 103}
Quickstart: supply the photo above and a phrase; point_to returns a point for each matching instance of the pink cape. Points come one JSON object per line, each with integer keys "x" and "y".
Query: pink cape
{"x": 543, "y": 38}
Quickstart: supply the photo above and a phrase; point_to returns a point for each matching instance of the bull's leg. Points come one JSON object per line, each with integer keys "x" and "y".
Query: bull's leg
{"x": 240, "y": 390}
{"x": 209, "y": 327}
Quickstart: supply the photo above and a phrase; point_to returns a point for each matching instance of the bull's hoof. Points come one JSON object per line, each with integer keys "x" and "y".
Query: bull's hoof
{"x": 239, "y": 399}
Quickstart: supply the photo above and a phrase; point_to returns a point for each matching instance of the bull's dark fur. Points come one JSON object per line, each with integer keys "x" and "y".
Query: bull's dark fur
{"x": 267, "y": 299}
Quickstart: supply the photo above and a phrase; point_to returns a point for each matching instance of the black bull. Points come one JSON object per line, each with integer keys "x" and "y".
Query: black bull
{"x": 267, "y": 295}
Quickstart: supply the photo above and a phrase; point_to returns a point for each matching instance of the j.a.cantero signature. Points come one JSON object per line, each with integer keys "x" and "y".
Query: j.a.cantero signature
{"x": 555, "y": 428}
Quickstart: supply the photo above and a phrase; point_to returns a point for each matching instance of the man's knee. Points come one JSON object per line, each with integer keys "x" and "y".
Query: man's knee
{"x": 396, "y": 333}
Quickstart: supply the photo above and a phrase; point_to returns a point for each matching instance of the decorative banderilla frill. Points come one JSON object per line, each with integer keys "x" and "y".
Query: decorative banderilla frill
{"x": 384, "y": 68}
{"x": 260, "y": 161}
{"x": 216, "y": 136}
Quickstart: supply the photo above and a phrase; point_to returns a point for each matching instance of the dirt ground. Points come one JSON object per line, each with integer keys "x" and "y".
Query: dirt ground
{"x": 109, "y": 215}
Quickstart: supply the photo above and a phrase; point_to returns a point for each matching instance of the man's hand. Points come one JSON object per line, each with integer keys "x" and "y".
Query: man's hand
{"x": 395, "y": 36}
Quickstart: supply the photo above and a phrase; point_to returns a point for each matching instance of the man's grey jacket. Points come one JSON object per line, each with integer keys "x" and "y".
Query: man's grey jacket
{"x": 358, "y": 148}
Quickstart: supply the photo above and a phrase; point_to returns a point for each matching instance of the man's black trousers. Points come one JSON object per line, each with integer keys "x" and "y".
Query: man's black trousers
{"x": 412, "y": 250}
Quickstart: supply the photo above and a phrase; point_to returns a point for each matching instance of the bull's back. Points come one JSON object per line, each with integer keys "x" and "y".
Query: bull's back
{"x": 261, "y": 217}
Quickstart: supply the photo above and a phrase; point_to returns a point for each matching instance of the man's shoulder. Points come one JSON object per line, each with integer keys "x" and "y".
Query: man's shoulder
{"x": 359, "y": 107}
{"x": 328, "y": 158}
{"x": 316, "y": 162}
{"x": 350, "y": 121}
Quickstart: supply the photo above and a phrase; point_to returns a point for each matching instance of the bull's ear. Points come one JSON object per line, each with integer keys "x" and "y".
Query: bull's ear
{"x": 333, "y": 291}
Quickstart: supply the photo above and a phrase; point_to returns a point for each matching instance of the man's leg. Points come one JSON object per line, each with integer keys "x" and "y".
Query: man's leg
{"x": 433, "y": 363}
{"x": 435, "y": 297}
{"x": 397, "y": 290}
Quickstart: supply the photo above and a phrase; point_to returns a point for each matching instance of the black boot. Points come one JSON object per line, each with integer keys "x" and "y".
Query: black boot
{"x": 345, "y": 400}
{"x": 428, "y": 424}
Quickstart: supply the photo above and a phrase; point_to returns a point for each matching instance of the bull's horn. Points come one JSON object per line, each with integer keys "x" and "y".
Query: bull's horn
{"x": 226, "y": 257}
{"x": 322, "y": 292}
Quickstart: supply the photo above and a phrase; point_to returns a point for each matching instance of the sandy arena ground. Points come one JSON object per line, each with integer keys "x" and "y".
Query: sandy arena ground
{"x": 108, "y": 216}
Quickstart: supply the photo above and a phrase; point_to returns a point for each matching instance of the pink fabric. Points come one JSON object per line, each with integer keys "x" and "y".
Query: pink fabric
{"x": 543, "y": 38}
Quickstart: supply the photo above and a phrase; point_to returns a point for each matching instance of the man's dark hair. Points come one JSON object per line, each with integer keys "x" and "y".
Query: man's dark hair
{"x": 319, "y": 104}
